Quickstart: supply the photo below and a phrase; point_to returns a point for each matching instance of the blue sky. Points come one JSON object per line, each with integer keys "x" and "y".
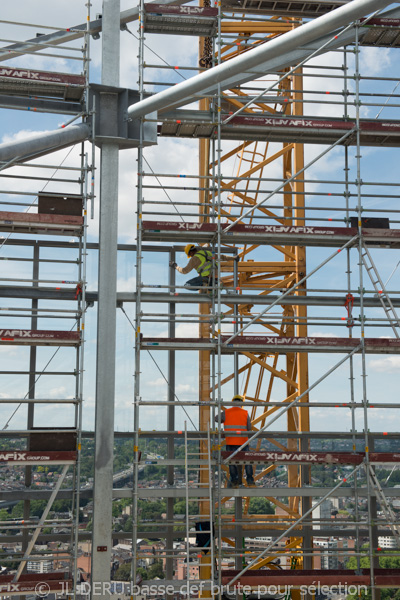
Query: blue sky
{"x": 180, "y": 157}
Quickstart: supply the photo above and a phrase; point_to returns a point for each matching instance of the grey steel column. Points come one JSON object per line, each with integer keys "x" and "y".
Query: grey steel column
{"x": 106, "y": 320}
{"x": 31, "y": 393}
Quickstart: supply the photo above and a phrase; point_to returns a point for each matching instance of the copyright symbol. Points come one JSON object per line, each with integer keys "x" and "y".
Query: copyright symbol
{"x": 42, "y": 589}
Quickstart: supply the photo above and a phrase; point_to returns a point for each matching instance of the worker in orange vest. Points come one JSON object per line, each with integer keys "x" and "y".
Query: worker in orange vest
{"x": 236, "y": 425}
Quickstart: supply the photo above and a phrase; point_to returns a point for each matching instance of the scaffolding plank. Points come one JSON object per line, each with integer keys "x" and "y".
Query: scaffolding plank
{"x": 272, "y": 344}
{"x": 181, "y": 20}
{"x": 23, "y": 82}
{"x": 22, "y": 457}
{"x": 334, "y": 458}
{"x": 331, "y": 577}
{"x": 28, "y": 583}
{"x": 41, "y": 223}
{"x": 383, "y": 32}
{"x": 34, "y": 337}
{"x": 292, "y": 8}
{"x": 265, "y": 234}
{"x": 307, "y": 130}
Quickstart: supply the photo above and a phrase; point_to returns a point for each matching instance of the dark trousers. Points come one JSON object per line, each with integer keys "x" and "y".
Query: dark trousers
{"x": 199, "y": 281}
{"x": 235, "y": 471}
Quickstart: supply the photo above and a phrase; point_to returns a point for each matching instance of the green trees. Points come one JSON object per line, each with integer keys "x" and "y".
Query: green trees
{"x": 261, "y": 506}
{"x": 386, "y": 562}
{"x": 123, "y": 573}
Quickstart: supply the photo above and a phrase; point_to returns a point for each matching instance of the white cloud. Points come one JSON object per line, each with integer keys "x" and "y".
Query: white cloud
{"x": 156, "y": 382}
{"x": 126, "y": 285}
{"x": 374, "y": 60}
{"x": 185, "y": 387}
{"x": 388, "y": 364}
{"x": 183, "y": 330}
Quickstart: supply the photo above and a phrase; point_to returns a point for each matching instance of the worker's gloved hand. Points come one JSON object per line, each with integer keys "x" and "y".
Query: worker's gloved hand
{"x": 173, "y": 264}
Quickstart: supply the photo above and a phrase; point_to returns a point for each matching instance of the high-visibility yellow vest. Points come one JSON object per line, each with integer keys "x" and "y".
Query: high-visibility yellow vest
{"x": 235, "y": 425}
{"x": 206, "y": 262}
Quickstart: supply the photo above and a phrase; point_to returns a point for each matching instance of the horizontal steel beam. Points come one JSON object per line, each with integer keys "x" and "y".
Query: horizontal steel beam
{"x": 283, "y": 345}
{"x": 282, "y": 51}
{"x": 312, "y": 492}
{"x": 162, "y": 532}
{"x": 306, "y": 130}
{"x": 44, "y": 105}
{"x": 44, "y": 293}
{"x": 317, "y": 492}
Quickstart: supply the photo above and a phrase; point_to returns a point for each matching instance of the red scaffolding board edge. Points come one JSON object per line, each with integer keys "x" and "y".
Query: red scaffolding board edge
{"x": 38, "y": 457}
{"x": 345, "y": 458}
{"x": 34, "y": 337}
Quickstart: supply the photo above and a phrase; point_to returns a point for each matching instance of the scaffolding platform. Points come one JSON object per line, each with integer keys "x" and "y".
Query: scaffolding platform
{"x": 22, "y": 457}
{"x": 174, "y": 231}
{"x": 180, "y": 20}
{"x": 382, "y": 33}
{"x": 308, "y": 130}
{"x": 290, "y": 8}
{"x": 313, "y": 458}
{"x": 28, "y": 584}
{"x": 30, "y": 82}
{"x": 36, "y": 223}
{"x": 34, "y": 337}
{"x": 383, "y": 578}
{"x": 272, "y": 344}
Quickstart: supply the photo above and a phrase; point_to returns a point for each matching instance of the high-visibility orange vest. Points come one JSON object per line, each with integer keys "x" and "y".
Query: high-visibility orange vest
{"x": 235, "y": 425}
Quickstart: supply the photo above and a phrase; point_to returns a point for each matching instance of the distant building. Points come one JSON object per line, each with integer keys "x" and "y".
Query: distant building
{"x": 387, "y": 541}
{"x": 333, "y": 552}
{"x": 183, "y": 566}
{"x": 40, "y": 566}
{"x": 322, "y": 513}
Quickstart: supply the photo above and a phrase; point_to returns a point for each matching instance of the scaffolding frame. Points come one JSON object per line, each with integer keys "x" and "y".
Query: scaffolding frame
{"x": 211, "y": 184}
{"x": 40, "y": 214}
{"x": 211, "y": 314}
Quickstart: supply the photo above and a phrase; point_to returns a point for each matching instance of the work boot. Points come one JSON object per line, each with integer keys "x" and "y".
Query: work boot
{"x": 251, "y": 482}
{"x": 232, "y": 484}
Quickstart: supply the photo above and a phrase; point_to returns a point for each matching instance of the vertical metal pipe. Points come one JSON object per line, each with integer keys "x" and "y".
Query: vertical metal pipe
{"x": 136, "y": 414}
{"x": 106, "y": 319}
{"x": 169, "y": 566}
{"x": 362, "y": 314}
{"x": 348, "y": 273}
{"x": 31, "y": 391}
{"x": 80, "y": 358}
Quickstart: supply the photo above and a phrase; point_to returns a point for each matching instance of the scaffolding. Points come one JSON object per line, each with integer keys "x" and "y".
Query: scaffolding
{"x": 43, "y": 248}
{"x": 261, "y": 328}
{"x": 256, "y": 318}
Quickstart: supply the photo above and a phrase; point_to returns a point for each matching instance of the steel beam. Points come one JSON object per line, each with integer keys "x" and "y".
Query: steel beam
{"x": 44, "y": 293}
{"x": 278, "y": 53}
{"x": 106, "y": 322}
{"x": 43, "y": 143}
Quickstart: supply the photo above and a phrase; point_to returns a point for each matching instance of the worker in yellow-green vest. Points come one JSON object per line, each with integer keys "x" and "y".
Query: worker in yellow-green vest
{"x": 200, "y": 259}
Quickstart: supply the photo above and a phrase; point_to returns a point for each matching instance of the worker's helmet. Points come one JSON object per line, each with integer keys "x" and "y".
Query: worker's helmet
{"x": 237, "y": 398}
{"x": 188, "y": 248}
